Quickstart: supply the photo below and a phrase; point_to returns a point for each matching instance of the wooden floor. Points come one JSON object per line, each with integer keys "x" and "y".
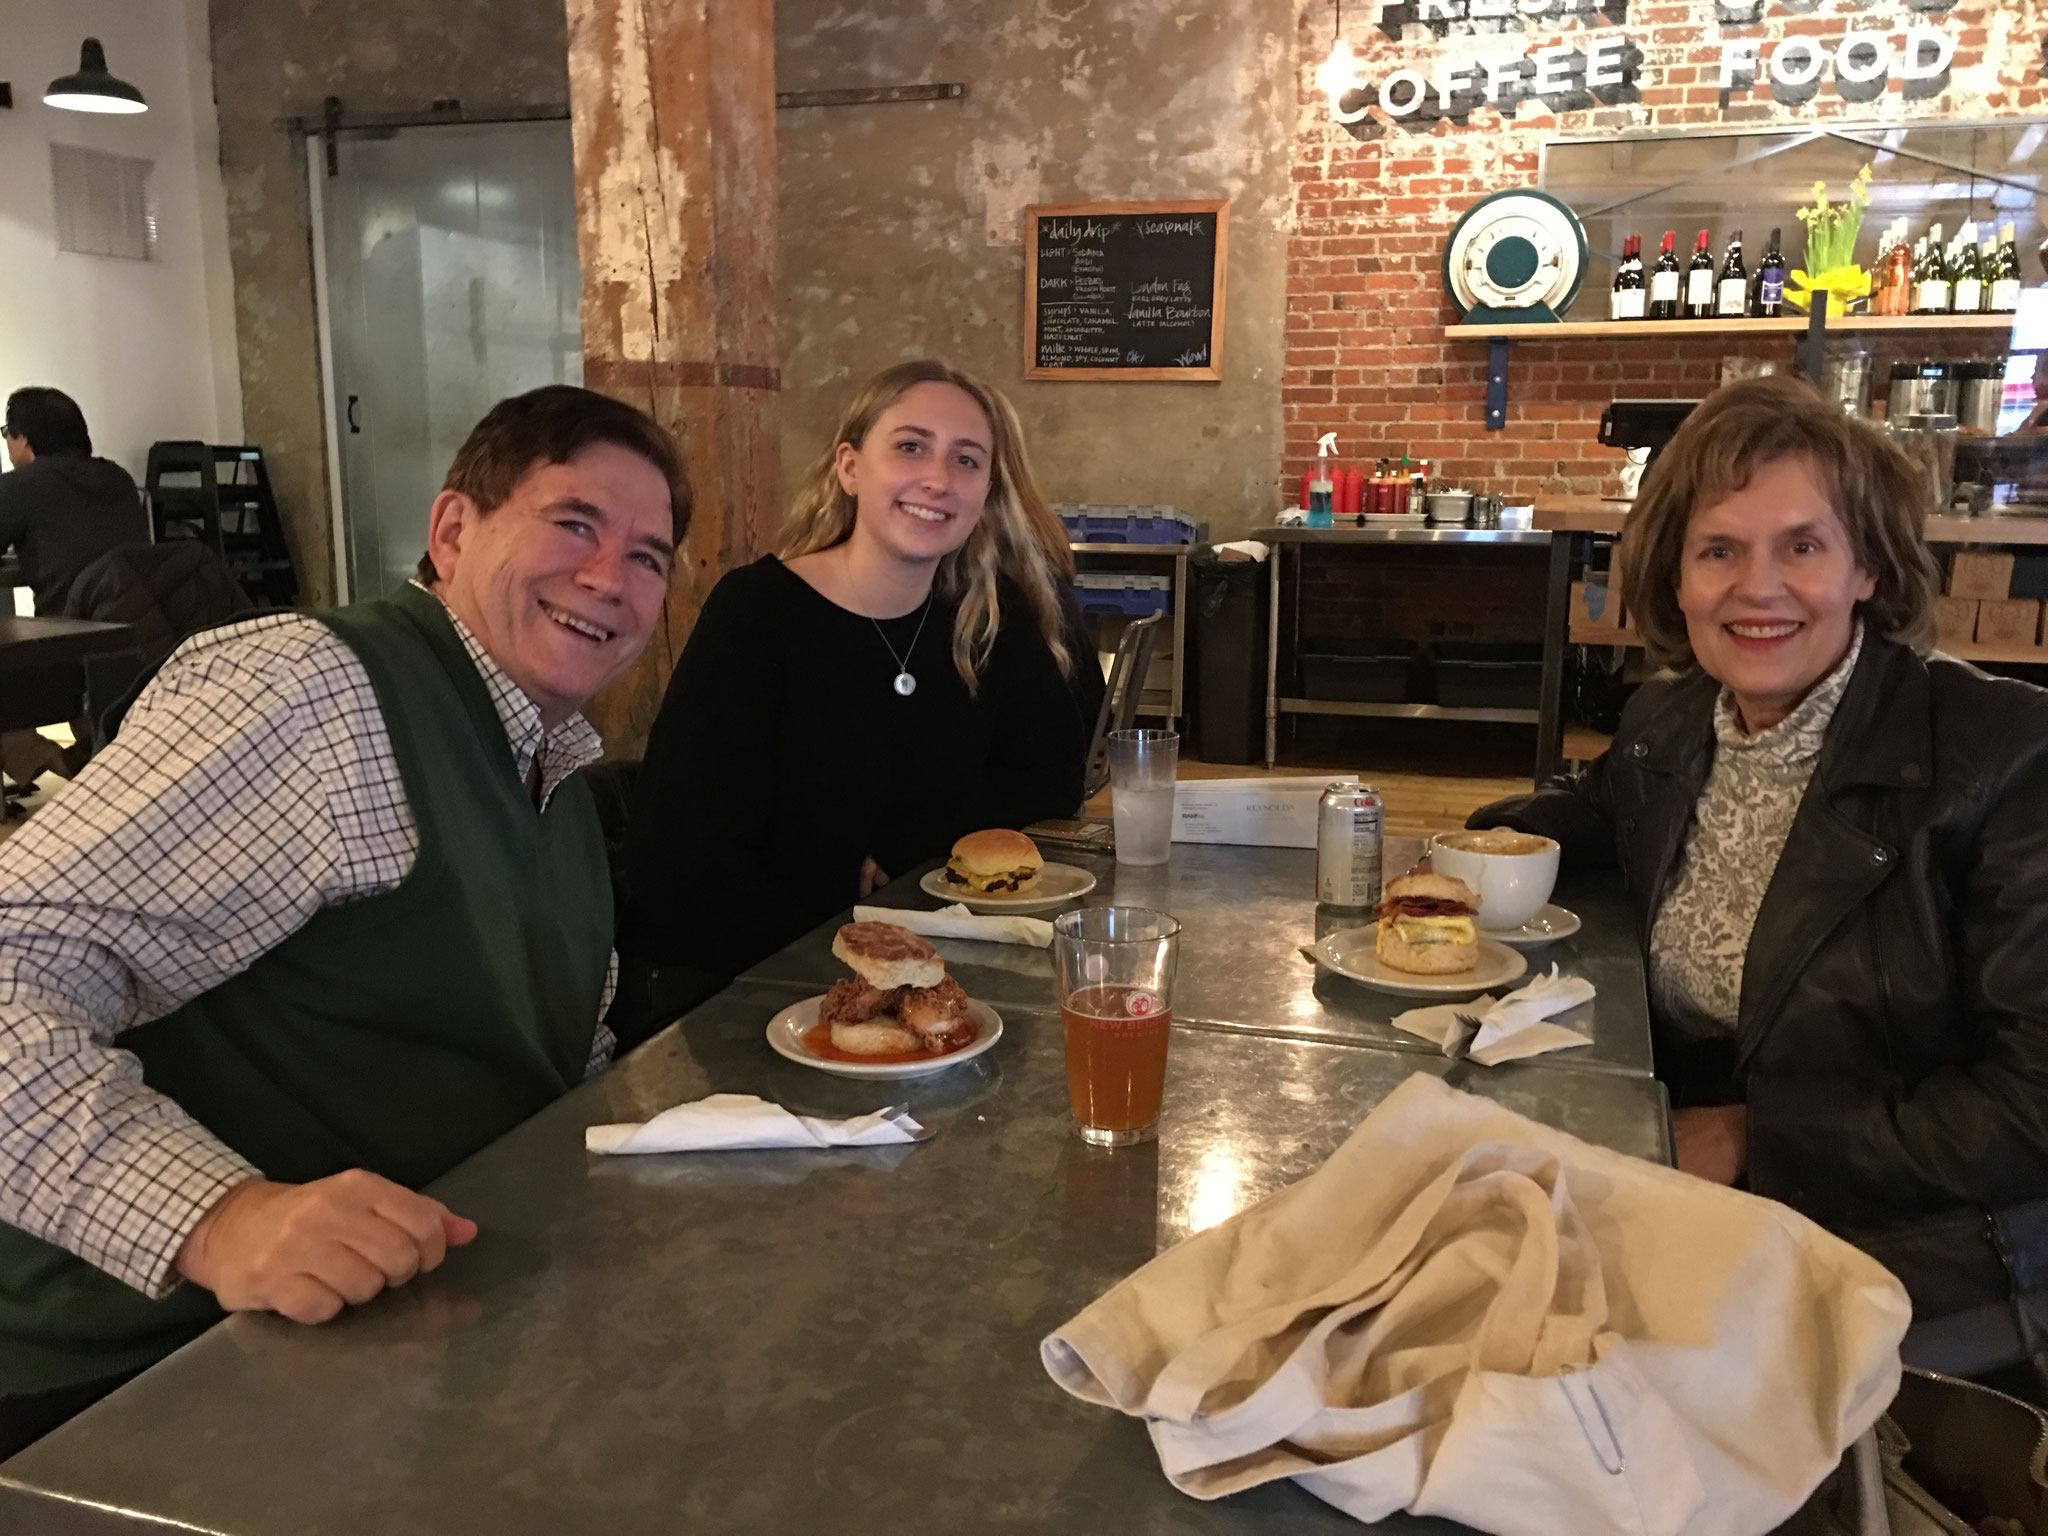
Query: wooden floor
{"x": 1416, "y": 804}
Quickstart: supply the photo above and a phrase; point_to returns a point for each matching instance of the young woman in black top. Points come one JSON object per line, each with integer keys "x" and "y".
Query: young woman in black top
{"x": 908, "y": 667}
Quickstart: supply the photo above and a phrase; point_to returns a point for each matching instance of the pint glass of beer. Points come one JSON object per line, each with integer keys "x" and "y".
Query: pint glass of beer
{"x": 1113, "y": 967}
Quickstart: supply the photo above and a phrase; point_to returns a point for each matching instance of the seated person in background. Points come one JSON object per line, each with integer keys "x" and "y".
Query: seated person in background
{"x": 61, "y": 508}
{"x": 1837, "y": 845}
{"x": 329, "y": 914}
{"x": 909, "y": 667}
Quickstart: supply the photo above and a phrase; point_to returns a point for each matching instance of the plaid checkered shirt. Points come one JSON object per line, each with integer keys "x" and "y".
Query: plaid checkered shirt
{"x": 252, "y": 784}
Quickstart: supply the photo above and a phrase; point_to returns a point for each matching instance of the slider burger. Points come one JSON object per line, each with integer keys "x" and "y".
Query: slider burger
{"x": 994, "y": 862}
{"x": 1426, "y": 924}
{"x": 899, "y": 999}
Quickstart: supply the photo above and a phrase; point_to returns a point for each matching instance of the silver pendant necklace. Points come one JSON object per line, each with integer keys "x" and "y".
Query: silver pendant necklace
{"x": 906, "y": 685}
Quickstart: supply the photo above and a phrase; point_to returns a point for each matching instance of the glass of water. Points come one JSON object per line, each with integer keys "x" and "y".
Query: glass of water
{"x": 1141, "y": 769}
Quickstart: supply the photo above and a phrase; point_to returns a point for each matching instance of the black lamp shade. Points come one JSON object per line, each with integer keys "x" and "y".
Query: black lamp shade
{"x": 92, "y": 89}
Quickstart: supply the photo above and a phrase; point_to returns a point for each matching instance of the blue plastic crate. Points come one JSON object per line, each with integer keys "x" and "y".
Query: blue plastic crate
{"x": 1128, "y": 525}
{"x": 1114, "y": 592}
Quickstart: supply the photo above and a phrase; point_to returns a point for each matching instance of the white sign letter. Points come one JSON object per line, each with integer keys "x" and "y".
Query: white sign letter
{"x": 1603, "y": 61}
{"x": 1797, "y": 61}
{"x": 1417, "y": 87}
{"x": 1441, "y": 10}
{"x": 1551, "y": 78}
{"x": 1499, "y": 76}
{"x": 1846, "y": 67}
{"x": 1919, "y": 38}
{"x": 1738, "y": 56}
{"x": 1450, "y": 78}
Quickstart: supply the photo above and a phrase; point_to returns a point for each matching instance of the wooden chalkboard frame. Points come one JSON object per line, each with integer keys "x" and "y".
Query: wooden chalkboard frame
{"x": 1210, "y": 374}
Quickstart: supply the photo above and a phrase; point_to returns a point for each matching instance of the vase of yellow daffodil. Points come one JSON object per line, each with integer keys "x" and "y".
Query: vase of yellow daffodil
{"x": 1831, "y": 231}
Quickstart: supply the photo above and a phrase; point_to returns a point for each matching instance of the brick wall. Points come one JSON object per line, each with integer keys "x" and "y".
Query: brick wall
{"x": 1374, "y": 203}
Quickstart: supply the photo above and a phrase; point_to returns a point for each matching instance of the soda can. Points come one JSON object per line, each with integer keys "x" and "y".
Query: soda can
{"x": 1349, "y": 823}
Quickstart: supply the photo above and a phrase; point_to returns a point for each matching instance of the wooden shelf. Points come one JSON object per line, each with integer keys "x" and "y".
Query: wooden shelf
{"x": 1962, "y": 650}
{"x": 2010, "y": 655}
{"x": 1588, "y": 514}
{"x": 1987, "y": 530}
{"x": 1788, "y": 326}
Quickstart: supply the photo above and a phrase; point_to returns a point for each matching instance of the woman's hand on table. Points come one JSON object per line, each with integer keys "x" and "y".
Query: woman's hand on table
{"x": 872, "y": 878}
{"x": 1713, "y": 1144}
{"x": 308, "y": 1250}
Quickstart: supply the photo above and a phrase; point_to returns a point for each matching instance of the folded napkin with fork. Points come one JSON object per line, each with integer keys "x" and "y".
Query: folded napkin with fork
{"x": 736, "y": 1122}
{"x": 1506, "y": 1029}
{"x": 956, "y": 922}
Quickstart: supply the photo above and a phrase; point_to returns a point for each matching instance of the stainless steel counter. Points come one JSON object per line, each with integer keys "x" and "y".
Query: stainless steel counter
{"x": 1247, "y": 912}
{"x": 1412, "y": 533}
{"x": 780, "y": 1341}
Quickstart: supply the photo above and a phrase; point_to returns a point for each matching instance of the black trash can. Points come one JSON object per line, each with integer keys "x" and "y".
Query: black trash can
{"x": 1227, "y": 659}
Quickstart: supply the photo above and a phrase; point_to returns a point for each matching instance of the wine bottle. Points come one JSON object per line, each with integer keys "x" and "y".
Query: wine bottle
{"x": 1664, "y": 280}
{"x": 1731, "y": 290}
{"x": 1767, "y": 288}
{"x": 1699, "y": 281}
{"x": 1965, "y": 275}
{"x": 1627, "y": 302}
{"x": 2003, "y": 289}
{"x": 1930, "y": 278}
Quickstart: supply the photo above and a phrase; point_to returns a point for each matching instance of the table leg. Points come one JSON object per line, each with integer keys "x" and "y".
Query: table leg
{"x": 1273, "y": 654}
{"x": 1556, "y": 630}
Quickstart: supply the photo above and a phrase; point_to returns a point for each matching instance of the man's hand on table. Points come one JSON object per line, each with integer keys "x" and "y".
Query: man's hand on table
{"x": 1713, "y": 1144}
{"x": 872, "y": 879}
{"x": 308, "y": 1250}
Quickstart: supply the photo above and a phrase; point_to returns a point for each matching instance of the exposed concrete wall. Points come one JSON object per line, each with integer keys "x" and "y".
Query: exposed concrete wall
{"x": 902, "y": 235}
{"x": 278, "y": 58}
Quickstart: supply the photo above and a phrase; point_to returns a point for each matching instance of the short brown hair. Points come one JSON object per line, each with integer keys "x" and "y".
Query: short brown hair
{"x": 1876, "y": 490}
{"x": 551, "y": 425}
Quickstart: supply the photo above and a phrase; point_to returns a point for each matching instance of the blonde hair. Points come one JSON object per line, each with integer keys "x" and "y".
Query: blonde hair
{"x": 1875, "y": 488}
{"x": 1018, "y": 535}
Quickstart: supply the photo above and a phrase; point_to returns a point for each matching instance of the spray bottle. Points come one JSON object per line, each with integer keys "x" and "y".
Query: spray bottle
{"x": 1319, "y": 489}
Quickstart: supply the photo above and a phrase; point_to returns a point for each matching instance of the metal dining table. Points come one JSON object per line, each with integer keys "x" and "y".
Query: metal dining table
{"x": 787, "y": 1341}
{"x": 1247, "y": 913}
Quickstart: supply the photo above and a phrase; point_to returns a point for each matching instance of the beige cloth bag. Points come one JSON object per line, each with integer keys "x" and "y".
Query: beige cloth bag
{"x": 1464, "y": 1313}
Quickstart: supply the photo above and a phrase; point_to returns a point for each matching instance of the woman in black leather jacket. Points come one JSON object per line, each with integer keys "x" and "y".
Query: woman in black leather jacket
{"x": 1837, "y": 845}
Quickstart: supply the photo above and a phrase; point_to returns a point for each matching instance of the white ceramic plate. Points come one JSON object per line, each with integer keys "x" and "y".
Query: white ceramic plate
{"x": 1057, "y": 885}
{"x": 1349, "y": 952}
{"x": 1550, "y": 924}
{"x": 786, "y": 1038}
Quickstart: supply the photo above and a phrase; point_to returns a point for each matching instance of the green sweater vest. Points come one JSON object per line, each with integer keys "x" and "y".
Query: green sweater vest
{"x": 400, "y": 1033}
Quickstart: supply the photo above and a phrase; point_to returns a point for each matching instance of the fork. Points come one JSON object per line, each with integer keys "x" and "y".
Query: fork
{"x": 1472, "y": 1025}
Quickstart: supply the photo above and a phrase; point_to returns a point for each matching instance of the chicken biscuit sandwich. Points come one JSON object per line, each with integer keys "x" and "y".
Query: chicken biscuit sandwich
{"x": 899, "y": 999}
{"x": 1426, "y": 924}
{"x": 995, "y": 862}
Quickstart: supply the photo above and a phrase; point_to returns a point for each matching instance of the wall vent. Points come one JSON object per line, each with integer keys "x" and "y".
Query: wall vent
{"x": 106, "y": 205}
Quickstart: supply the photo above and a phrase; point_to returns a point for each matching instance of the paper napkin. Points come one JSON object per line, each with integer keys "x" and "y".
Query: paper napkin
{"x": 735, "y": 1122}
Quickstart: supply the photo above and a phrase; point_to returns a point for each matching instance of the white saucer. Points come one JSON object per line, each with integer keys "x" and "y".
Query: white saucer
{"x": 1550, "y": 924}
{"x": 1350, "y": 952}
{"x": 786, "y": 1038}
{"x": 1057, "y": 885}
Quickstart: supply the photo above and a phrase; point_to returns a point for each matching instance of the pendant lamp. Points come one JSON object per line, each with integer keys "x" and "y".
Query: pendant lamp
{"x": 92, "y": 89}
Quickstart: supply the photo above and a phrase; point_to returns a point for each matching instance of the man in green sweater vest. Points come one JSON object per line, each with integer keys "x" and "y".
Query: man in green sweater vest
{"x": 328, "y": 915}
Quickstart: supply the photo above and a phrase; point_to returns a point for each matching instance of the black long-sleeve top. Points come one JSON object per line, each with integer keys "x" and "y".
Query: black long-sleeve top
{"x": 783, "y": 757}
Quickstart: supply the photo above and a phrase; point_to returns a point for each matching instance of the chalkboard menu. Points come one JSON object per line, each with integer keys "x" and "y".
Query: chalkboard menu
{"x": 1125, "y": 290}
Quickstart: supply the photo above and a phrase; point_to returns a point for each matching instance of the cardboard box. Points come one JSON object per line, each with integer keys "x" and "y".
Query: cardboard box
{"x": 2011, "y": 621}
{"x": 1595, "y": 605}
{"x": 1980, "y": 573}
{"x": 1955, "y": 620}
{"x": 1255, "y": 813}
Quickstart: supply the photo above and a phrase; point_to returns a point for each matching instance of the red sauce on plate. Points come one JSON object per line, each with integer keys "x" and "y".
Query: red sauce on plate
{"x": 818, "y": 1041}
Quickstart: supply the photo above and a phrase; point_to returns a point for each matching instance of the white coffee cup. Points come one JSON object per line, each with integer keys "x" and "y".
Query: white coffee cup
{"x": 1513, "y": 872}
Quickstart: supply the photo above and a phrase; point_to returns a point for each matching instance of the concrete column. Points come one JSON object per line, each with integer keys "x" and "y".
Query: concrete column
{"x": 673, "y": 109}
